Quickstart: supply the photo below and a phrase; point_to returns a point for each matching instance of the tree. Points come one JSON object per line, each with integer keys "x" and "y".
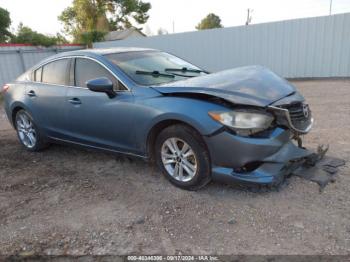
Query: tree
{"x": 209, "y": 22}
{"x": 92, "y": 36}
{"x": 26, "y": 35}
{"x": 61, "y": 40}
{"x": 5, "y": 22}
{"x": 127, "y": 13}
{"x": 88, "y": 20}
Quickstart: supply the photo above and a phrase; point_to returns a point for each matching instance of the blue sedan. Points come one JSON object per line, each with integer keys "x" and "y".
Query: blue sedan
{"x": 239, "y": 125}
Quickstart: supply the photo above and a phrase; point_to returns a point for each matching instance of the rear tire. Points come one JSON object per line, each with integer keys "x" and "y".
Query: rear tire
{"x": 28, "y": 132}
{"x": 183, "y": 157}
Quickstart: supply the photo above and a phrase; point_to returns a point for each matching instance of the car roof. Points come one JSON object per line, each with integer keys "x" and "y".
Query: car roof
{"x": 94, "y": 53}
{"x": 113, "y": 50}
{"x": 105, "y": 51}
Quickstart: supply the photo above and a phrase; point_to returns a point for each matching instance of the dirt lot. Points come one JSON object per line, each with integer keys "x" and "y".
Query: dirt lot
{"x": 74, "y": 201}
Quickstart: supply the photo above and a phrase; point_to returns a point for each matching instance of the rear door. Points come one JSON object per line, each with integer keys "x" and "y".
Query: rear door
{"x": 95, "y": 119}
{"x": 46, "y": 96}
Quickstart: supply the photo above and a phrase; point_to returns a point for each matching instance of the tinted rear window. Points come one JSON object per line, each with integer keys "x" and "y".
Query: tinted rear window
{"x": 56, "y": 72}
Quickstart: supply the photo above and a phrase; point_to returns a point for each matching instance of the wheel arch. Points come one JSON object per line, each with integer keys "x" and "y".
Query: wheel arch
{"x": 161, "y": 125}
{"x": 14, "y": 111}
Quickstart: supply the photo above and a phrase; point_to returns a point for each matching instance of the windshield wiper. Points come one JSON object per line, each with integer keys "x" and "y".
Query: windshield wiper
{"x": 185, "y": 69}
{"x": 154, "y": 74}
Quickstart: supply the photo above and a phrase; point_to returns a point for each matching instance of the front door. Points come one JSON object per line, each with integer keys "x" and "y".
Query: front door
{"x": 95, "y": 119}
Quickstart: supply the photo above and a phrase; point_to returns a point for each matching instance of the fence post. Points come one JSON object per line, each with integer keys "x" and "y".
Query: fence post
{"x": 20, "y": 52}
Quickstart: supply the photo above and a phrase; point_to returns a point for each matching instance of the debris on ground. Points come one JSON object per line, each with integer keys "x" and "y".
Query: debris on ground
{"x": 322, "y": 171}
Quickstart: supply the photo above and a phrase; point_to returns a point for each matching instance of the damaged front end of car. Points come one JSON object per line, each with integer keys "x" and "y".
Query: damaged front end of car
{"x": 263, "y": 118}
{"x": 268, "y": 155}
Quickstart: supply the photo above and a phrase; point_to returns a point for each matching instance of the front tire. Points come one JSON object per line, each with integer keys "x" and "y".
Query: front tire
{"x": 183, "y": 157}
{"x": 28, "y": 132}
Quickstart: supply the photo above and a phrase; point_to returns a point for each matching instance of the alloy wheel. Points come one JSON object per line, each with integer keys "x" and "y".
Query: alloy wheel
{"x": 179, "y": 159}
{"x": 26, "y": 131}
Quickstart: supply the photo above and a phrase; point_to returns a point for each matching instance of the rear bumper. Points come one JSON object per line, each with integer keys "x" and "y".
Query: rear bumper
{"x": 277, "y": 156}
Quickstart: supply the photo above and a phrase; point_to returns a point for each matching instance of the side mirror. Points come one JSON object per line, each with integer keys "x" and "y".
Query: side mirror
{"x": 103, "y": 85}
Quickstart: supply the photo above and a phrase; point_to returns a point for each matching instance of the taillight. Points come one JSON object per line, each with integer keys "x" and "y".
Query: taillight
{"x": 5, "y": 88}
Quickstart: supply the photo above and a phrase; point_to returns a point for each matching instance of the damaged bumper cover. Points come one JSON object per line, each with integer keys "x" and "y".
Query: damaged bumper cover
{"x": 255, "y": 160}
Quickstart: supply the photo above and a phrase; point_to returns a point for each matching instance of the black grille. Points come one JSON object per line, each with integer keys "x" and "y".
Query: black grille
{"x": 300, "y": 115}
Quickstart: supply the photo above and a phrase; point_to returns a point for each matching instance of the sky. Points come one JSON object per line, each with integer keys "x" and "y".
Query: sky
{"x": 180, "y": 15}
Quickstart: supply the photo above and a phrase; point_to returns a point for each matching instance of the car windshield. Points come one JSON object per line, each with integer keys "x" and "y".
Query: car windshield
{"x": 154, "y": 67}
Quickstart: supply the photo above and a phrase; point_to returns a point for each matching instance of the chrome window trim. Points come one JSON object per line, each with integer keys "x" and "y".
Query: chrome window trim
{"x": 79, "y": 87}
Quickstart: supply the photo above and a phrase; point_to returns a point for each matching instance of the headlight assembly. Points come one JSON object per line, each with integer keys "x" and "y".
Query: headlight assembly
{"x": 243, "y": 123}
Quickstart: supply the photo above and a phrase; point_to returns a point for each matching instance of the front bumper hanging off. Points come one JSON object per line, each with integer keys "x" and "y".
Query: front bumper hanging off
{"x": 273, "y": 170}
{"x": 277, "y": 156}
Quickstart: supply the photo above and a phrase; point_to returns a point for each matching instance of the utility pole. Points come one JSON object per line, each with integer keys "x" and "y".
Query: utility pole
{"x": 330, "y": 7}
{"x": 173, "y": 26}
{"x": 249, "y": 16}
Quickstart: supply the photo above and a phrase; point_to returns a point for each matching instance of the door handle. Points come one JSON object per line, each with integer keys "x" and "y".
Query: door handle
{"x": 75, "y": 101}
{"x": 31, "y": 93}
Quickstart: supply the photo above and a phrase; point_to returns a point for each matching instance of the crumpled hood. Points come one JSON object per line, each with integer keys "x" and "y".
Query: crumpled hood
{"x": 250, "y": 85}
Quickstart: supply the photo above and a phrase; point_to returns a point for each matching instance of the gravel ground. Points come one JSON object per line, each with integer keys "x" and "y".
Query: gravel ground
{"x": 74, "y": 201}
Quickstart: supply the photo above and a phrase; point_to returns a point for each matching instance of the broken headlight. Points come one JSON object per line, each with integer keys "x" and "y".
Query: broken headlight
{"x": 243, "y": 123}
